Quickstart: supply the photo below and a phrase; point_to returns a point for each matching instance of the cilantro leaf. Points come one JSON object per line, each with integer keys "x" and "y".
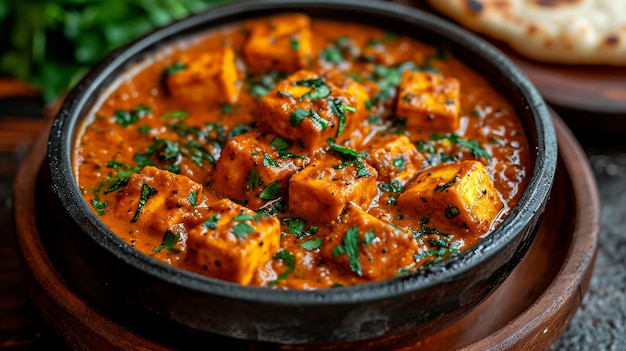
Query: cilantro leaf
{"x": 242, "y": 229}
{"x": 473, "y": 146}
{"x": 169, "y": 240}
{"x": 271, "y": 191}
{"x": 211, "y": 222}
{"x": 269, "y": 161}
{"x": 146, "y": 193}
{"x": 175, "y": 114}
{"x": 442, "y": 187}
{"x": 253, "y": 180}
{"x": 96, "y": 203}
{"x": 193, "y": 198}
{"x": 312, "y": 244}
{"x": 295, "y": 225}
{"x": 298, "y": 116}
{"x": 351, "y": 246}
{"x": 289, "y": 260}
{"x": 176, "y": 67}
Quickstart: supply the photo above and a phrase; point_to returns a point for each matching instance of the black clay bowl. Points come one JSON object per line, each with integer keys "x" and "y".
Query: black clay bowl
{"x": 386, "y": 313}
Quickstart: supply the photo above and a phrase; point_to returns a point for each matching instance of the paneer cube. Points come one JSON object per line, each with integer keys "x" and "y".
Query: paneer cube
{"x": 368, "y": 246}
{"x": 395, "y": 157}
{"x": 157, "y": 200}
{"x": 211, "y": 78}
{"x": 457, "y": 195}
{"x": 429, "y": 101}
{"x": 255, "y": 168}
{"x": 283, "y": 43}
{"x": 233, "y": 242}
{"x": 308, "y": 109}
{"x": 320, "y": 191}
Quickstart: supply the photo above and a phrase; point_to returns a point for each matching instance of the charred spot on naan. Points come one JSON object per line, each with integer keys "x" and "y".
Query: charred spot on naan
{"x": 573, "y": 32}
{"x": 474, "y": 6}
{"x": 611, "y": 40}
{"x": 557, "y": 3}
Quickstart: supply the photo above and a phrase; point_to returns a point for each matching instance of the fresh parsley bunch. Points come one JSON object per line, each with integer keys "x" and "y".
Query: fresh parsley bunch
{"x": 51, "y": 43}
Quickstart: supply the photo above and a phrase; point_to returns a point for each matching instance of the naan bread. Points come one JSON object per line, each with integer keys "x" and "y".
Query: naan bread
{"x": 556, "y": 31}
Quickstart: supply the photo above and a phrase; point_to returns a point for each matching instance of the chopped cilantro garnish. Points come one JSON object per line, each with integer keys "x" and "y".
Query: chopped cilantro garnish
{"x": 115, "y": 164}
{"x": 194, "y": 151}
{"x": 269, "y": 161}
{"x": 211, "y": 222}
{"x": 271, "y": 191}
{"x": 319, "y": 120}
{"x": 284, "y": 93}
{"x": 144, "y": 129}
{"x": 345, "y": 152}
{"x": 247, "y": 217}
{"x": 142, "y": 160}
{"x": 350, "y": 246}
{"x": 175, "y": 115}
{"x": 169, "y": 240}
{"x": 193, "y": 198}
{"x": 146, "y": 193}
{"x": 452, "y": 211}
{"x": 123, "y": 174}
{"x": 126, "y": 118}
{"x": 369, "y": 237}
{"x": 400, "y": 163}
{"x": 442, "y": 187}
{"x": 282, "y": 146}
{"x": 253, "y": 180}
{"x": 295, "y": 225}
{"x": 289, "y": 260}
{"x": 357, "y": 78}
{"x": 312, "y": 244}
{"x": 332, "y": 55}
{"x": 260, "y": 86}
{"x": 295, "y": 44}
{"x": 470, "y": 144}
{"x": 351, "y": 158}
{"x": 387, "y": 37}
{"x": 238, "y": 130}
{"x": 297, "y": 116}
{"x": 96, "y": 203}
{"x": 175, "y": 68}
{"x": 394, "y": 187}
{"x": 339, "y": 109}
{"x": 242, "y": 229}
{"x": 442, "y": 245}
{"x": 228, "y": 108}
{"x": 164, "y": 149}
{"x": 319, "y": 89}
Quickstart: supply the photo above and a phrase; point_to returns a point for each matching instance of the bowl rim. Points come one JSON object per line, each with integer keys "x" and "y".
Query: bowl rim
{"x": 532, "y": 201}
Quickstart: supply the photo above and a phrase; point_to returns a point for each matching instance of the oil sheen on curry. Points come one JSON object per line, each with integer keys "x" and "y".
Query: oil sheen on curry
{"x": 295, "y": 153}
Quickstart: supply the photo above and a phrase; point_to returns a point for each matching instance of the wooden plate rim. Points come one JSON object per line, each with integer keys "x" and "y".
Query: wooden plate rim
{"x": 68, "y": 313}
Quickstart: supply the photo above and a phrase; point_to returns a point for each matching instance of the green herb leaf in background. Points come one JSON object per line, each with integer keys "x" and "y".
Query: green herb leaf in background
{"x": 50, "y": 44}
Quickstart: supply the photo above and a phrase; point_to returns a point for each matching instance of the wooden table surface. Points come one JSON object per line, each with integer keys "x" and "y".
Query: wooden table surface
{"x": 600, "y": 322}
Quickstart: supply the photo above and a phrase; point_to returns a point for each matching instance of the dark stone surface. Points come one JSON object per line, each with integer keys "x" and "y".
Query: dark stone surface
{"x": 600, "y": 322}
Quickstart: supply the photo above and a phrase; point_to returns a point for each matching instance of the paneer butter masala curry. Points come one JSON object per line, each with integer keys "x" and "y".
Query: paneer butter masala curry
{"x": 296, "y": 153}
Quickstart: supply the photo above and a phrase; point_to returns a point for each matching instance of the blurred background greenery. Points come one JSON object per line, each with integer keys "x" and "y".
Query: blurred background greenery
{"x": 50, "y": 44}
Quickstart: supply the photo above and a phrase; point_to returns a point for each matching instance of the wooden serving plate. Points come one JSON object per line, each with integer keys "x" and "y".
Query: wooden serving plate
{"x": 529, "y": 311}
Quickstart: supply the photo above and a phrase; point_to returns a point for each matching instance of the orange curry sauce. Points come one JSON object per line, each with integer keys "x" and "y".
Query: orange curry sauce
{"x": 346, "y": 154}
